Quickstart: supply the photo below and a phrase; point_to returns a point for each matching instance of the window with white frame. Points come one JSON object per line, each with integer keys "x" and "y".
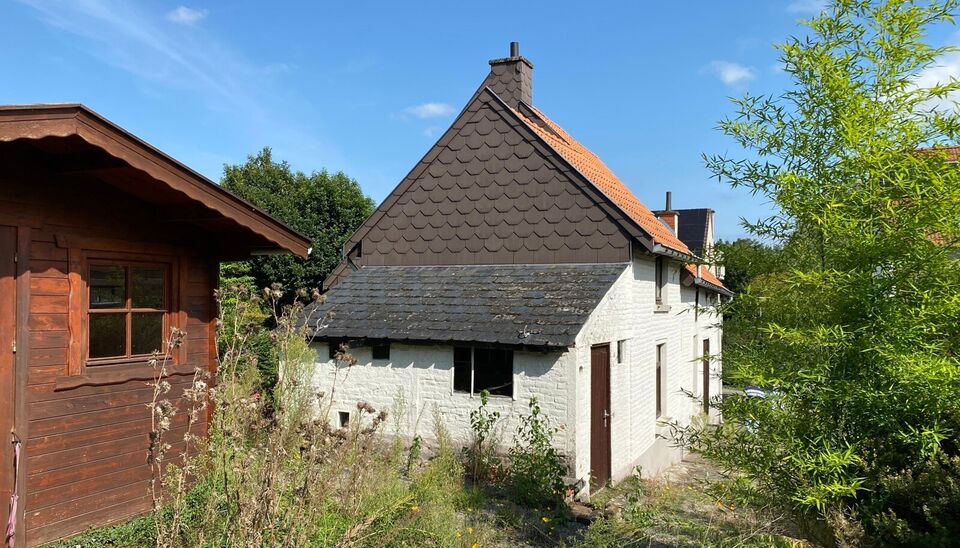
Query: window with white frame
{"x": 622, "y": 351}
{"x": 476, "y": 369}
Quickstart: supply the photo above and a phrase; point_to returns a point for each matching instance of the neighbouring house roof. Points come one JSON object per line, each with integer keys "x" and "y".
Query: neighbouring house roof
{"x": 702, "y": 277}
{"x": 79, "y": 142}
{"x": 692, "y": 227}
{"x": 538, "y": 306}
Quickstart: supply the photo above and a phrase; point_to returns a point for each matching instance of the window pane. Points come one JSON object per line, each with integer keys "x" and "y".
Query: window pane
{"x": 493, "y": 371}
{"x": 108, "y": 335}
{"x": 108, "y": 287}
{"x": 147, "y": 287}
{"x": 381, "y": 351}
{"x": 461, "y": 369}
{"x": 147, "y": 333}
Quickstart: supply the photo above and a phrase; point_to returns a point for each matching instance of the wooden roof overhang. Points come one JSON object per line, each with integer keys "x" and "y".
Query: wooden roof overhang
{"x": 81, "y": 143}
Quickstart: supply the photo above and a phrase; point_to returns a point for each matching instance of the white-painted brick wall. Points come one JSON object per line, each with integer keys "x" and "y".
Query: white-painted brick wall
{"x": 628, "y": 311}
{"x": 560, "y": 380}
{"x": 424, "y": 376}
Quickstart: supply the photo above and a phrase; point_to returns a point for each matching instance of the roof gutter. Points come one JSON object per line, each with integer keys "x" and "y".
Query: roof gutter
{"x": 660, "y": 249}
{"x": 712, "y": 287}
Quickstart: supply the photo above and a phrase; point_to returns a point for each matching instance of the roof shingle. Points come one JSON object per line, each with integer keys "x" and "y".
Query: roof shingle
{"x": 593, "y": 168}
{"x": 522, "y": 305}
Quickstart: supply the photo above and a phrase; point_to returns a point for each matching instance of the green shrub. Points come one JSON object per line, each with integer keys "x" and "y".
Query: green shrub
{"x": 535, "y": 476}
{"x": 482, "y": 453}
{"x": 921, "y": 507}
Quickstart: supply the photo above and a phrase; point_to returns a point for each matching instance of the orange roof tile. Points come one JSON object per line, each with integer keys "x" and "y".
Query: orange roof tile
{"x": 705, "y": 274}
{"x": 603, "y": 178}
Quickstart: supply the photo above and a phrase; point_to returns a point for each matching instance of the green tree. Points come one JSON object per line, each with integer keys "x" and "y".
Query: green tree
{"x": 857, "y": 337}
{"x": 326, "y": 208}
{"x": 745, "y": 259}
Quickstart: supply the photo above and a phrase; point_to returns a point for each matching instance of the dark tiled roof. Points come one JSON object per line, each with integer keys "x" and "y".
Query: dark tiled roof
{"x": 692, "y": 229}
{"x": 480, "y": 304}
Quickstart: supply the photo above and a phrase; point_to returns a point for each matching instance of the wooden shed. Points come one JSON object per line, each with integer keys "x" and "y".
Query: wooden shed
{"x": 105, "y": 244}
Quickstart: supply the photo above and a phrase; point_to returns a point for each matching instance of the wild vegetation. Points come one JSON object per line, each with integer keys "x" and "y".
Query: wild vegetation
{"x": 855, "y": 337}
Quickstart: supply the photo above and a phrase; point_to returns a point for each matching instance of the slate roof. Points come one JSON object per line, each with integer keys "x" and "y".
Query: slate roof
{"x": 539, "y": 306}
{"x": 692, "y": 229}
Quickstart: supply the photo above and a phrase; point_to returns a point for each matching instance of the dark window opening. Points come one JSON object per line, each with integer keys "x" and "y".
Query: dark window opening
{"x": 343, "y": 419}
{"x": 127, "y": 310}
{"x": 335, "y": 346}
{"x": 478, "y": 369}
{"x": 462, "y": 369}
{"x": 381, "y": 351}
{"x": 661, "y": 279}
{"x": 660, "y": 358}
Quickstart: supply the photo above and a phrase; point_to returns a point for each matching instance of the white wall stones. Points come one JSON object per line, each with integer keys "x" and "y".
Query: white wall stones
{"x": 422, "y": 377}
{"x": 629, "y": 312}
{"x": 560, "y": 380}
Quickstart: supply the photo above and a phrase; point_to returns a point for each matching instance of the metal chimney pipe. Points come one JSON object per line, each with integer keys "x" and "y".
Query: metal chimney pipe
{"x": 669, "y": 201}
{"x": 514, "y": 49}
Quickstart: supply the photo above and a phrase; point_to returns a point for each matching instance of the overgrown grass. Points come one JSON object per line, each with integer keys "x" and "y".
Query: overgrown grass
{"x": 682, "y": 513}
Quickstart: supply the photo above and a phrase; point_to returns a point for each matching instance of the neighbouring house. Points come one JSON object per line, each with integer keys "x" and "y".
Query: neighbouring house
{"x": 511, "y": 259}
{"x": 106, "y": 244}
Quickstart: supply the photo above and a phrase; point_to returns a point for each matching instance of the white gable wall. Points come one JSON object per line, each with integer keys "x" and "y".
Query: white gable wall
{"x": 628, "y": 312}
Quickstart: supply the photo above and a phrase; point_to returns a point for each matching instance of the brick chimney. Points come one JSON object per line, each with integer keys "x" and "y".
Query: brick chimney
{"x": 511, "y": 78}
{"x": 668, "y": 215}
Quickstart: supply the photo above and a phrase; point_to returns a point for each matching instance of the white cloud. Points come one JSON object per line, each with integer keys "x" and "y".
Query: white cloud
{"x": 808, "y": 7}
{"x": 186, "y": 16}
{"x": 732, "y": 74}
{"x": 163, "y": 61}
{"x": 431, "y": 131}
{"x": 430, "y": 110}
{"x": 944, "y": 72}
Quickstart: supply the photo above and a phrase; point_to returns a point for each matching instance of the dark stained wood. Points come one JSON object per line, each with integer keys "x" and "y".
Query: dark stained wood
{"x": 599, "y": 415}
{"x": 22, "y": 423}
{"x": 76, "y": 121}
{"x": 8, "y": 330}
{"x": 73, "y": 187}
{"x": 706, "y": 375}
{"x": 85, "y": 420}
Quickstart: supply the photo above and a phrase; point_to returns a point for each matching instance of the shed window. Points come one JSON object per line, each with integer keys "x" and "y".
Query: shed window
{"x": 127, "y": 313}
{"x": 334, "y": 346}
{"x": 381, "y": 351}
{"x": 478, "y": 369}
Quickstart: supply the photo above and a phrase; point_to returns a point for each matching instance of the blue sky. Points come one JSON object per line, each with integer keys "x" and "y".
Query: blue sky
{"x": 367, "y": 87}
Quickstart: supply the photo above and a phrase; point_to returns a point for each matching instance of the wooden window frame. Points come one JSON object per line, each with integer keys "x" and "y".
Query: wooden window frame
{"x": 128, "y": 310}
{"x": 80, "y": 368}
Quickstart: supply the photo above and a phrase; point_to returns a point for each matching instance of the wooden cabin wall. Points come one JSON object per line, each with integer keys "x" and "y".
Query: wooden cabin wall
{"x": 86, "y": 447}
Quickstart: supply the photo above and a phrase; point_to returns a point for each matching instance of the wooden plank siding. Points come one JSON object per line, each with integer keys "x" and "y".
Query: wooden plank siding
{"x": 85, "y": 453}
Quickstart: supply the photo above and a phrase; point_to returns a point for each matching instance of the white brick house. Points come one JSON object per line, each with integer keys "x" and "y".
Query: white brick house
{"x": 512, "y": 259}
